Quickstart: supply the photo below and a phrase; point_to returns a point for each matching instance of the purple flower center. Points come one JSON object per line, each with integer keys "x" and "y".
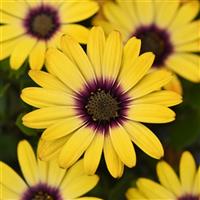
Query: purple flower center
{"x": 102, "y": 104}
{"x": 155, "y": 40}
{"x": 42, "y": 22}
{"x": 189, "y": 197}
{"x": 42, "y": 191}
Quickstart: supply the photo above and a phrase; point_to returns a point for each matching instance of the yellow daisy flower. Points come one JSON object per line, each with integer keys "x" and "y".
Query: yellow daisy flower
{"x": 165, "y": 28}
{"x": 30, "y": 27}
{"x": 44, "y": 180}
{"x": 171, "y": 187}
{"x": 96, "y": 101}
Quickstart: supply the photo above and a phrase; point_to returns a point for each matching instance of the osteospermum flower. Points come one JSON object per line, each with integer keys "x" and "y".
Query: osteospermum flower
{"x": 187, "y": 187}
{"x": 96, "y": 101}
{"x": 44, "y": 180}
{"x": 165, "y": 28}
{"x": 29, "y": 27}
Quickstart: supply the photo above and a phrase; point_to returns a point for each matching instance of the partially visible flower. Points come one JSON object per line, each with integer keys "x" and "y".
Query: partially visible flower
{"x": 166, "y": 29}
{"x": 44, "y": 180}
{"x": 187, "y": 187}
{"x": 30, "y": 27}
{"x": 95, "y": 102}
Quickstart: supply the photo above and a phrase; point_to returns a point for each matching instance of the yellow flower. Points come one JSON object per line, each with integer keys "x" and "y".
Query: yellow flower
{"x": 165, "y": 28}
{"x": 171, "y": 187}
{"x": 96, "y": 101}
{"x": 44, "y": 180}
{"x": 30, "y": 27}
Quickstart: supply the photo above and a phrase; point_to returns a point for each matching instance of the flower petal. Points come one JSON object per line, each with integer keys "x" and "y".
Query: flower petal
{"x": 95, "y": 49}
{"x": 184, "y": 66}
{"x": 9, "y": 178}
{"x": 44, "y": 117}
{"x": 153, "y": 190}
{"x": 47, "y": 80}
{"x": 150, "y": 113}
{"x": 168, "y": 178}
{"x": 21, "y": 51}
{"x": 93, "y": 153}
{"x": 193, "y": 46}
{"x": 76, "y": 146}
{"x": 144, "y": 139}
{"x": 112, "y": 56}
{"x": 77, "y": 11}
{"x": 123, "y": 145}
{"x": 150, "y": 83}
{"x": 165, "y": 12}
{"x": 62, "y": 128}
{"x": 75, "y": 52}
{"x": 133, "y": 193}
{"x": 28, "y": 163}
{"x": 79, "y": 32}
{"x": 187, "y": 171}
{"x": 163, "y": 97}
{"x": 41, "y": 97}
{"x": 113, "y": 163}
{"x": 62, "y": 67}
{"x": 37, "y": 56}
{"x": 131, "y": 74}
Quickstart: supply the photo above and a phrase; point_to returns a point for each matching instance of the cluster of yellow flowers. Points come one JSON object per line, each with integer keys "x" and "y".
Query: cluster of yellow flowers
{"x": 95, "y": 102}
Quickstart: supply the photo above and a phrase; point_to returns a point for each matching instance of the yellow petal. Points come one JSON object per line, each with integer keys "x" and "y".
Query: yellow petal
{"x": 6, "y": 18}
{"x": 9, "y": 178}
{"x": 21, "y": 51}
{"x": 48, "y": 149}
{"x": 44, "y": 117}
{"x": 15, "y": 8}
{"x": 61, "y": 128}
{"x": 37, "y": 55}
{"x": 187, "y": 171}
{"x": 54, "y": 41}
{"x": 133, "y": 193}
{"x": 144, "y": 139}
{"x": 112, "y": 56}
{"x": 196, "y": 185}
{"x": 118, "y": 16}
{"x": 55, "y": 173}
{"x": 75, "y": 52}
{"x": 186, "y": 33}
{"x": 77, "y": 11}
{"x": 123, "y": 145}
{"x": 42, "y": 170}
{"x": 184, "y": 66}
{"x": 174, "y": 85}
{"x": 131, "y": 52}
{"x": 185, "y": 14}
{"x": 76, "y": 146}
{"x": 168, "y": 178}
{"x": 8, "y": 193}
{"x": 150, "y": 113}
{"x": 193, "y": 46}
{"x": 146, "y": 7}
{"x": 28, "y": 163}
{"x": 93, "y": 153}
{"x": 113, "y": 163}
{"x": 77, "y": 170}
{"x": 153, "y": 190}
{"x": 79, "y": 32}
{"x": 151, "y": 82}
{"x": 95, "y": 49}
{"x": 10, "y": 31}
{"x": 165, "y": 12}
{"x": 163, "y": 97}
{"x": 64, "y": 69}
{"x": 79, "y": 186}
{"x": 7, "y": 47}
{"x": 41, "y": 97}
{"x": 131, "y": 74}
{"x": 47, "y": 80}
